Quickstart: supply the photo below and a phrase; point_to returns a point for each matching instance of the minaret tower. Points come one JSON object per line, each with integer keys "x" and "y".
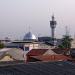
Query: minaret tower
{"x": 53, "y": 26}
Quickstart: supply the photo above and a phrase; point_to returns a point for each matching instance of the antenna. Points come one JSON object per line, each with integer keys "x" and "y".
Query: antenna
{"x": 53, "y": 17}
{"x": 67, "y": 31}
{"x": 29, "y": 28}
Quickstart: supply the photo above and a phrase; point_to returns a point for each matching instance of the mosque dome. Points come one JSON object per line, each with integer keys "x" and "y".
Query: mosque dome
{"x": 29, "y": 36}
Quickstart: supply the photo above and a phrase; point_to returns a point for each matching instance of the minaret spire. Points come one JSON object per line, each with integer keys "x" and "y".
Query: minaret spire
{"x": 67, "y": 31}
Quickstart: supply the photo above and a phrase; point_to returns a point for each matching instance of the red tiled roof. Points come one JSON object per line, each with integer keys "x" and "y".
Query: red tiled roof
{"x": 51, "y": 57}
{"x": 36, "y": 52}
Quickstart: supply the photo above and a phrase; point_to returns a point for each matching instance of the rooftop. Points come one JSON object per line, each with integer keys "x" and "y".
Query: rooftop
{"x": 15, "y": 53}
{"x": 59, "y": 50}
{"x": 36, "y": 52}
{"x": 51, "y": 57}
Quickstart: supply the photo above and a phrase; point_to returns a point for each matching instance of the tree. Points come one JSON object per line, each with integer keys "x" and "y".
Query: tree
{"x": 1, "y": 45}
{"x": 66, "y": 42}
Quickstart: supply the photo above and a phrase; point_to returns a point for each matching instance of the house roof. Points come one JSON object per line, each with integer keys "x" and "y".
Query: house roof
{"x": 15, "y": 53}
{"x": 36, "y": 52}
{"x": 51, "y": 57}
{"x": 59, "y": 50}
{"x": 40, "y": 68}
{"x": 7, "y": 58}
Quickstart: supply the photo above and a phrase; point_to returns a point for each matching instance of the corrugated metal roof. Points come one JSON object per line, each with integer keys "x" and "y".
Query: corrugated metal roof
{"x": 16, "y": 53}
{"x": 36, "y": 52}
{"x": 60, "y": 50}
{"x": 40, "y": 68}
{"x": 51, "y": 57}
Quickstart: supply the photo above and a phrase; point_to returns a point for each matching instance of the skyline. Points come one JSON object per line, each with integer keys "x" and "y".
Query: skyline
{"x": 16, "y": 16}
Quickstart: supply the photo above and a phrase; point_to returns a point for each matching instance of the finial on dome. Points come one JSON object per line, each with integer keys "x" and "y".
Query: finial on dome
{"x": 53, "y": 17}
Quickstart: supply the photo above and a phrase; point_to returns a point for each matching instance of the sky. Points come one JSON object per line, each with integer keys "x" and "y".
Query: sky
{"x": 17, "y": 17}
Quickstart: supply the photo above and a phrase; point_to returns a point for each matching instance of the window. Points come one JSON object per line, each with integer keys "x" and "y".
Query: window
{"x": 26, "y": 48}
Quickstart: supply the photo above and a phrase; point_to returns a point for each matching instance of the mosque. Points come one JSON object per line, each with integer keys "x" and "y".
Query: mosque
{"x": 30, "y": 41}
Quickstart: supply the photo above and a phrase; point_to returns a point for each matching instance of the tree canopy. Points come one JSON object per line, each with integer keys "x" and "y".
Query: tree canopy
{"x": 1, "y": 45}
{"x": 66, "y": 42}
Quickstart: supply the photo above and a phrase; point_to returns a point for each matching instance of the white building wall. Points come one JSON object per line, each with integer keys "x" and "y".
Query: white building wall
{"x": 73, "y": 44}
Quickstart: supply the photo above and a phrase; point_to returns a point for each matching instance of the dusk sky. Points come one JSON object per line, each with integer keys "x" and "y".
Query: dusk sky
{"x": 17, "y": 15}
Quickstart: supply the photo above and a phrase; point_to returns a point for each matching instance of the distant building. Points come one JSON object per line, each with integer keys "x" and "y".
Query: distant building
{"x": 26, "y": 44}
{"x": 6, "y": 40}
{"x": 44, "y": 39}
{"x": 49, "y": 41}
{"x": 14, "y": 44}
{"x": 73, "y": 44}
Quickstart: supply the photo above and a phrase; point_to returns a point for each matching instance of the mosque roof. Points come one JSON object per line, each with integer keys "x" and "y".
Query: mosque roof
{"x": 29, "y": 36}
